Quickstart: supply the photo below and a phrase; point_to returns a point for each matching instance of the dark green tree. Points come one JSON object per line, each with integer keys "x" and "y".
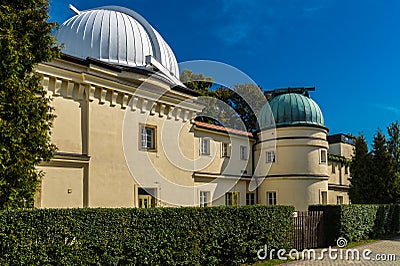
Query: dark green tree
{"x": 361, "y": 183}
{"x": 394, "y": 148}
{"x": 394, "y": 143}
{"x": 25, "y": 113}
{"x": 383, "y": 172}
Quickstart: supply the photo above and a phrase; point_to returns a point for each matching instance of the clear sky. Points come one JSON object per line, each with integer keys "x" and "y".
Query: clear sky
{"x": 349, "y": 50}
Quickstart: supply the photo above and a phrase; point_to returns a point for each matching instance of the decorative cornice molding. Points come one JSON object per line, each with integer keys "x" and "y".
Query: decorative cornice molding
{"x": 142, "y": 101}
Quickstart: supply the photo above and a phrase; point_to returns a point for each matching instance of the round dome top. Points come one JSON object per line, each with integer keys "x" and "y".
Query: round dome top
{"x": 115, "y": 35}
{"x": 290, "y": 109}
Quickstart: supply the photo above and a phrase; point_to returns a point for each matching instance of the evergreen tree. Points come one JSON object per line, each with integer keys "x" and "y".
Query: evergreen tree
{"x": 394, "y": 143}
{"x": 394, "y": 149}
{"x": 25, "y": 113}
{"x": 383, "y": 172}
{"x": 361, "y": 183}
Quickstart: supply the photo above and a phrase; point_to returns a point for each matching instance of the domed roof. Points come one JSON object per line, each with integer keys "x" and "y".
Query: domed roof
{"x": 290, "y": 109}
{"x": 115, "y": 35}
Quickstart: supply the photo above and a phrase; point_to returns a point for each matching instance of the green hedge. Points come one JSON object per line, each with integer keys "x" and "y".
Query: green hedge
{"x": 160, "y": 236}
{"x": 357, "y": 222}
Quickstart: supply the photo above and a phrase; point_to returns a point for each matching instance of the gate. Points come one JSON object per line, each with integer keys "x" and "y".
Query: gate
{"x": 308, "y": 229}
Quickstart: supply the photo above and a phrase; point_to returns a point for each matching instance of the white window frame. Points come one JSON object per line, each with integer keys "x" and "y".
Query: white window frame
{"x": 225, "y": 150}
{"x": 144, "y": 137}
{"x": 205, "y": 146}
{"x": 243, "y": 153}
{"x": 270, "y": 157}
{"x": 323, "y": 156}
{"x": 204, "y": 198}
{"x": 250, "y": 200}
{"x": 274, "y": 198}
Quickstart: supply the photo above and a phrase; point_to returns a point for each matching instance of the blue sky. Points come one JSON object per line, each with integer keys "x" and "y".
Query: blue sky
{"x": 348, "y": 50}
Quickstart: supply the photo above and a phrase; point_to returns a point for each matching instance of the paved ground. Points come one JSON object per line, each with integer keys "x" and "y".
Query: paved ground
{"x": 379, "y": 248}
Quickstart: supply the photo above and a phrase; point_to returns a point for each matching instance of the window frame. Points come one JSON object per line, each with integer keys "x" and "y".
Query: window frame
{"x": 230, "y": 198}
{"x": 274, "y": 198}
{"x": 206, "y": 152}
{"x": 153, "y": 129}
{"x": 203, "y": 198}
{"x": 245, "y": 156}
{"x": 270, "y": 159}
{"x": 250, "y": 200}
{"x": 225, "y": 151}
{"x": 322, "y": 197}
{"x": 339, "y": 200}
{"x": 323, "y": 156}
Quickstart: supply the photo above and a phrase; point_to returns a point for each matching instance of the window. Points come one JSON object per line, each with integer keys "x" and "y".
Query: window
{"x": 324, "y": 197}
{"x": 346, "y": 170}
{"x": 204, "y": 195}
{"x": 243, "y": 153}
{"x": 271, "y": 198}
{"x": 333, "y": 168}
{"x": 205, "y": 146}
{"x": 323, "y": 156}
{"x": 270, "y": 157}
{"x": 148, "y": 137}
{"x": 250, "y": 199}
{"x": 232, "y": 198}
{"x": 225, "y": 149}
{"x": 339, "y": 200}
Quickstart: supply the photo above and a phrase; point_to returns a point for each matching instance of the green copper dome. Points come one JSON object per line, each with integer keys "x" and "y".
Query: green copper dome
{"x": 290, "y": 109}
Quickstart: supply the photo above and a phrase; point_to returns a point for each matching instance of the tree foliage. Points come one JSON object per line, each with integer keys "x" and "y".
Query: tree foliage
{"x": 375, "y": 174}
{"x": 25, "y": 113}
{"x": 361, "y": 185}
{"x": 232, "y": 107}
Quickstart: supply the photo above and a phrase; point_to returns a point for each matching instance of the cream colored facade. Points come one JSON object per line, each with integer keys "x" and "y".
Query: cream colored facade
{"x": 93, "y": 101}
{"x": 127, "y": 137}
{"x": 339, "y": 173}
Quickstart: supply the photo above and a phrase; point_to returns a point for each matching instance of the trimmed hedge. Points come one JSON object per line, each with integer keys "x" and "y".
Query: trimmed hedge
{"x": 357, "y": 222}
{"x": 160, "y": 236}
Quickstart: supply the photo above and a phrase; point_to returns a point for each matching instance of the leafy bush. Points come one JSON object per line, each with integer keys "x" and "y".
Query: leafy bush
{"x": 161, "y": 236}
{"x": 357, "y": 222}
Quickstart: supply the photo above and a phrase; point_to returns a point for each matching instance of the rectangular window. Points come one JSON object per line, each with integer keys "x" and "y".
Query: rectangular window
{"x": 324, "y": 197}
{"x": 243, "y": 153}
{"x": 339, "y": 200}
{"x": 333, "y": 168}
{"x": 225, "y": 149}
{"x": 346, "y": 170}
{"x": 270, "y": 156}
{"x": 205, "y": 146}
{"x": 323, "y": 157}
{"x": 147, "y": 137}
{"x": 250, "y": 199}
{"x": 271, "y": 198}
{"x": 232, "y": 198}
{"x": 204, "y": 198}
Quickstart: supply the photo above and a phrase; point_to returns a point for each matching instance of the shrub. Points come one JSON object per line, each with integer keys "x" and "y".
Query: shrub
{"x": 357, "y": 222}
{"x": 161, "y": 236}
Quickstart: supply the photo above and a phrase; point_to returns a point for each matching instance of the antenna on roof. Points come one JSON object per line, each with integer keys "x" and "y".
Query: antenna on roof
{"x": 74, "y": 9}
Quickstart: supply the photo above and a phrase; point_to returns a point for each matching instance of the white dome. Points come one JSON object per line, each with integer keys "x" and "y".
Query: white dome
{"x": 115, "y": 35}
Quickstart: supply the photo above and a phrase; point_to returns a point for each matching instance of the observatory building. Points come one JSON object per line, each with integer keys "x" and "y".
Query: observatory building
{"x": 127, "y": 136}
